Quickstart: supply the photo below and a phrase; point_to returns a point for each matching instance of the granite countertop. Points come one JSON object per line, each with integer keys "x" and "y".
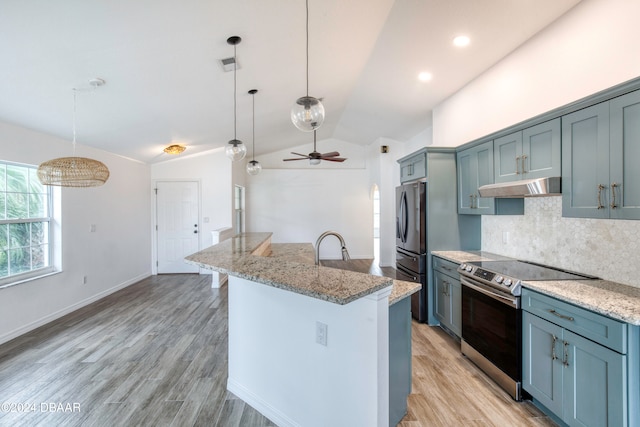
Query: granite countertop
{"x": 615, "y": 300}
{"x": 291, "y": 266}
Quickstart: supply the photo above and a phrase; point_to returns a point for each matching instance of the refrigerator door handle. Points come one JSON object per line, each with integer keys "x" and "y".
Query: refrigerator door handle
{"x": 404, "y": 211}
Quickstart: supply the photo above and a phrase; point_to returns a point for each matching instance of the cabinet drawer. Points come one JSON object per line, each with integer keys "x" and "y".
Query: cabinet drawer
{"x": 598, "y": 328}
{"x": 445, "y": 266}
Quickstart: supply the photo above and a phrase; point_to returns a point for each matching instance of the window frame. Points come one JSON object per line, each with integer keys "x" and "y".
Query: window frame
{"x": 49, "y": 219}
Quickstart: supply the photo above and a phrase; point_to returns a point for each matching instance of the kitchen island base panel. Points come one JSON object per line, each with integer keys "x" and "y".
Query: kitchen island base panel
{"x": 277, "y": 367}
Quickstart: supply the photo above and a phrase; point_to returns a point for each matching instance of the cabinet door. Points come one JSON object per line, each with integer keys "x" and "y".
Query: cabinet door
{"x": 475, "y": 168}
{"x": 467, "y": 171}
{"x": 542, "y": 361}
{"x": 441, "y": 299}
{"x": 414, "y": 167}
{"x": 541, "y": 150}
{"x": 507, "y": 155}
{"x": 595, "y": 384}
{"x": 485, "y": 205}
{"x": 455, "y": 295}
{"x": 585, "y": 162}
{"x": 624, "y": 172}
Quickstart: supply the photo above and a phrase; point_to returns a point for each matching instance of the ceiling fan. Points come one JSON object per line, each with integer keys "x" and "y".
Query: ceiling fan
{"x": 315, "y": 157}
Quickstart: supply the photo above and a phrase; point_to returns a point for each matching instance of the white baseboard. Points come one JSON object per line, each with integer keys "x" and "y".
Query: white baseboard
{"x": 260, "y": 405}
{"x": 56, "y": 315}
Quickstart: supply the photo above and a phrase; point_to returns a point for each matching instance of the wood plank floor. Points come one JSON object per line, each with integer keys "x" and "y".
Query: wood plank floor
{"x": 155, "y": 354}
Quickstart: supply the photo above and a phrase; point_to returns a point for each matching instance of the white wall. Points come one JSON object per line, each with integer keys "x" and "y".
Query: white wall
{"x": 213, "y": 171}
{"x": 601, "y": 247}
{"x": 115, "y": 255}
{"x": 297, "y": 205}
{"x": 592, "y": 47}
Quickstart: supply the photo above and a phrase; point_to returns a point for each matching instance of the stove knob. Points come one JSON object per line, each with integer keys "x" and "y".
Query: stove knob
{"x": 463, "y": 266}
{"x": 508, "y": 282}
{"x": 499, "y": 279}
{"x": 469, "y": 268}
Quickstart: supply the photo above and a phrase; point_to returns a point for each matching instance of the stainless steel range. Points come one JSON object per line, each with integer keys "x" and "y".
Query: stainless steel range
{"x": 491, "y": 315}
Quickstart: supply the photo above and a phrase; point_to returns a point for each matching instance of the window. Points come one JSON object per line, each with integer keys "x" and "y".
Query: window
{"x": 25, "y": 224}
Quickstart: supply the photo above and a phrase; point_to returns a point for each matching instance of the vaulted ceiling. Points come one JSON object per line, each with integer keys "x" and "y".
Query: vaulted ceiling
{"x": 165, "y": 84}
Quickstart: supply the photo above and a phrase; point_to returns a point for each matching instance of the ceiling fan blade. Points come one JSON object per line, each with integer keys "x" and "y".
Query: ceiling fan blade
{"x": 301, "y": 158}
{"x": 331, "y": 154}
{"x": 298, "y": 154}
{"x": 334, "y": 159}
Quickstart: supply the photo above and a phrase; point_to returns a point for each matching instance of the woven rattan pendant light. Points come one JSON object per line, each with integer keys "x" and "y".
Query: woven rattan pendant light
{"x": 74, "y": 171}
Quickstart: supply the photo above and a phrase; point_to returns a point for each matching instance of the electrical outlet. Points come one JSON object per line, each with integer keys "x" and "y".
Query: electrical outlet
{"x": 84, "y": 280}
{"x": 92, "y": 228}
{"x": 321, "y": 333}
{"x": 505, "y": 237}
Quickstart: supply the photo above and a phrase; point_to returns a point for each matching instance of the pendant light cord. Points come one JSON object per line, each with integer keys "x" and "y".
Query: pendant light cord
{"x": 74, "y": 121}
{"x": 235, "y": 67}
{"x": 307, "y": 33}
{"x": 253, "y": 127}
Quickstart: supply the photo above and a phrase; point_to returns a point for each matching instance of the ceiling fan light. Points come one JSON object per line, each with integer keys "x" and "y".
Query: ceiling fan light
{"x": 254, "y": 167}
{"x": 235, "y": 150}
{"x": 314, "y": 162}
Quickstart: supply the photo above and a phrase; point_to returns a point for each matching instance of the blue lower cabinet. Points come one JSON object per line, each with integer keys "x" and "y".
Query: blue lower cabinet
{"x": 595, "y": 384}
{"x": 581, "y": 382}
{"x": 399, "y": 359}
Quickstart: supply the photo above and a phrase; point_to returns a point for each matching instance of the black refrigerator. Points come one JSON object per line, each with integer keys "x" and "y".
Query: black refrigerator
{"x": 427, "y": 220}
{"x": 411, "y": 242}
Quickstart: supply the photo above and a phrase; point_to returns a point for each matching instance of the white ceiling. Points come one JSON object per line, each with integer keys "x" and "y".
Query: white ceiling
{"x": 160, "y": 59}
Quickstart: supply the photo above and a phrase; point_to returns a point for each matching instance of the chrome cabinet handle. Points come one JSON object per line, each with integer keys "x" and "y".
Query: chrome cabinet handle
{"x": 473, "y": 198}
{"x": 517, "y": 165}
{"x": 613, "y": 196}
{"x": 565, "y": 361}
{"x": 524, "y": 158}
{"x": 562, "y": 316}
{"x": 600, "y": 188}
{"x": 447, "y": 268}
{"x": 554, "y": 356}
{"x": 445, "y": 289}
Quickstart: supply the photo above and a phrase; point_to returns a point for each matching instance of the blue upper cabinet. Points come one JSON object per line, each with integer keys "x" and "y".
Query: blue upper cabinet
{"x": 585, "y": 162}
{"x": 413, "y": 167}
{"x": 624, "y": 154}
{"x": 507, "y": 155}
{"x": 531, "y": 153}
{"x": 475, "y": 168}
{"x": 600, "y": 148}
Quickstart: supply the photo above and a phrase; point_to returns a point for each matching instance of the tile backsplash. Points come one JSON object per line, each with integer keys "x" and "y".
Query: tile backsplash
{"x": 609, "y": 249}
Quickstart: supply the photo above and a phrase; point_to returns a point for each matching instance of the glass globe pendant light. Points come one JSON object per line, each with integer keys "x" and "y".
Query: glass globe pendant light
{"x": 307, "y": 114}
{"x": 235, "y": 149}
{"x": 253, "y": 167}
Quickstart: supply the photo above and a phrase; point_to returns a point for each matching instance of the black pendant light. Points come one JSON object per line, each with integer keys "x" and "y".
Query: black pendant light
{"x": 307, "y": 114}
{"x": 235, "y": 150}
{"x": 253, "y": 167}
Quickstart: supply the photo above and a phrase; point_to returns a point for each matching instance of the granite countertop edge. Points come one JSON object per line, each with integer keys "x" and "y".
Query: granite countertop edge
{"x": 615, "y": 300}
{"x": 291, "y": 267}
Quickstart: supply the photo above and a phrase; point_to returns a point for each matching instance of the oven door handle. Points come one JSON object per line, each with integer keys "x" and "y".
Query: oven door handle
{"x": 503, "y": 299}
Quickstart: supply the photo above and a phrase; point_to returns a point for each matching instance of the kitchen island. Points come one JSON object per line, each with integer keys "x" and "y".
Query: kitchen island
{"x": 308, "y": 345}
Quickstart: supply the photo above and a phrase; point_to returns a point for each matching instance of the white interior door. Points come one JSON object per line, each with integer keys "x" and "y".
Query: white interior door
{"x": 177, "y": 225}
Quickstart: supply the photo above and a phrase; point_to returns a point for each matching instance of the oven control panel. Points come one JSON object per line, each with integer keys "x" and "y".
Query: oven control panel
{"x": 507, "y": 284}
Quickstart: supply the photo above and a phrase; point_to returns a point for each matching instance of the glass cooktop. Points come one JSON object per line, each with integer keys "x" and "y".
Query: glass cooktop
{"x": 527, "y": 271}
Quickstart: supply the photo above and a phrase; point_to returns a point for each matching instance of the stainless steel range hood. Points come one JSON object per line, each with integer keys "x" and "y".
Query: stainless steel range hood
{"x": 524, "y": 188}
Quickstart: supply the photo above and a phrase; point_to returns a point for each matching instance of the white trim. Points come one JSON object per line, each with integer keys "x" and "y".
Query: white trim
{"x": 53, "y": 316}
{"x": 260, "y": 405}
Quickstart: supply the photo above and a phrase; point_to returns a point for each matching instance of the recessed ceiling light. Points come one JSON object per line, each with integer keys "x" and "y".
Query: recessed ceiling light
{"x": 461, "y": 41}
{"x": 424, "y": 76}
